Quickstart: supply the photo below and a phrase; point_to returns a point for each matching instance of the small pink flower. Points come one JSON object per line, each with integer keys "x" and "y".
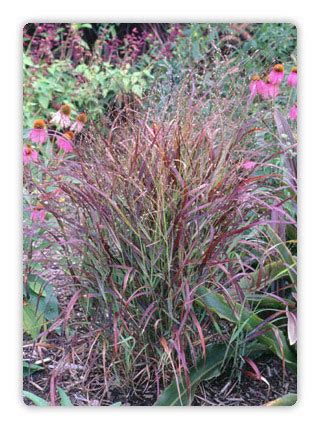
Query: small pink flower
{"x": 38, "y": 134}
{"x": 29, "y": 154}
{"x": 276, "y": 75}
{"x": 293, "y": 112}
{"x": 265, "y": 89}
{"x": 62, "y": 117}
{"x": 272, "y": 90}
{"x": 80, "y": 122}
{"x": 256, "y": 86}
{"x": 38, "y": 213}
{"x": 269, "y": 90}
{"x": 262, "y": 89}
{"x": 293, "y": 77}
{"x": 249, "y": 165}
{"x": 64, "y": 142}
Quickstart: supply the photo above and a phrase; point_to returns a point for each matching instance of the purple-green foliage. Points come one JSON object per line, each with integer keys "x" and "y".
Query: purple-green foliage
{"x": 155, "y": 207}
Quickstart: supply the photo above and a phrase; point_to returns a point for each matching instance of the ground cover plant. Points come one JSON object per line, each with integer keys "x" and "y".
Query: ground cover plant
{"x": 159, "y": 211}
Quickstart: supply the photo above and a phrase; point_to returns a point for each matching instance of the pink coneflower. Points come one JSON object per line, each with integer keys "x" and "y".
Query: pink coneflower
{"x": 269, "y": 90}
{"x": 276, "y": 75}
{"x": 64, "y": 142}
{"x": 256, "y": 86}
{"x": 293, "y": 77}
{"x": 293, "y": 112}
{"x": 38, "y": 134}
{"x": 249, "y": 165}
{"x": 62, "y": 117}
{"x": 29, "y": 154}
{"x": 80, "y": 122}
{"x": 272, "y": 90}
{"x": 38, "y": 213}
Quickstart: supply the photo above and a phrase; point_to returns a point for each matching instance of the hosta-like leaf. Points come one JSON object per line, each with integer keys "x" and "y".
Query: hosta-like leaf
{"x": 267, "y": 301}
{"x": 205, "y": 370}
{"x": 43, "y": 298}
{"x": 33, "y": 320}
{"x": 285, "y": 401}
{"x": 270, "y": 272}
{"x": 37, "y": 287}
{"x": 237, "y": 314}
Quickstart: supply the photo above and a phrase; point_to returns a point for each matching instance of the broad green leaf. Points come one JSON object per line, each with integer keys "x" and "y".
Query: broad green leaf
{"x": 37, "y": 288}
{"x": 47, "y": 302}
{"x": 284, "y": 401}
{"x": 30, "y": 368}
{"x": 270, "y": 272}
{"x": 136, "y": 89}
{"x": 265, "y": 301}
{"x": 44, "y": 101}
{"x": 216, "y": 303}
{"x": 284, "y": 253}
{"x": 64, "y": 398}
{"x": 48, "y": 306}
{"x": 33, "y": 320}
{"x": 27, "y": 60}
{"x": 205, "y": 370}
{"x": 35, "y": 399}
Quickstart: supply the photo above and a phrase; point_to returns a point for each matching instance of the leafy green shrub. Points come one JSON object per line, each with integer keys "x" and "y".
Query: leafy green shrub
{"x": 93, "y": 88}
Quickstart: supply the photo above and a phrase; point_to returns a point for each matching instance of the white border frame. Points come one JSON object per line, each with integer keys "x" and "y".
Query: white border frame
{"x": 305, "y": 16}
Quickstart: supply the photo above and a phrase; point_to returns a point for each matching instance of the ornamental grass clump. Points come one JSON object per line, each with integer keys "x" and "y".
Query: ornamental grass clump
{"x": 158, "y": 203}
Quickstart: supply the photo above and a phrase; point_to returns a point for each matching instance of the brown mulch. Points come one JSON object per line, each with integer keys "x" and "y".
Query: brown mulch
{"x": 218, "y": 392}
{"x": 223, "y": 391}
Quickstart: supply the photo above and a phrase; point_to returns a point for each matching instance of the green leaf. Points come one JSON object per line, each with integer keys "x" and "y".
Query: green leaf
{"x": 32, "y": 320}
{"x": 47, "y": 303}
{"x": 270, "y": 272}
{"x": 30, "y": 368}
{"x": 116, "y": 404}
{"x": 64, "y": 398}
{"x": 284, "y": 253}
{"x": 284, "y": 401}
{"x": 27, "y": 60}
{"x": 136, "y": 89}
{"x": 44, "y": 101}
{"x": 35, "y": 399}
{"x": 37, "y": 288}
{"x": 205, "y": 370}
{"x": 248, "y": 320}
{"x": 262, "y": 301}
{"x": 86, "y": 25}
